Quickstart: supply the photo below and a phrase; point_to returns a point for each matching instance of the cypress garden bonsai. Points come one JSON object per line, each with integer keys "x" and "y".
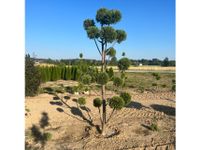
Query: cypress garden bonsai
{"x": 105, "y": 37}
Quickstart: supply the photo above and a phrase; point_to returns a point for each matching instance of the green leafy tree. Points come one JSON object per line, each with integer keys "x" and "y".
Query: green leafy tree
{"x": 32, "y": 77}
{"x": 104, "y": 35}
{"x": 124, "y": 64}
{"x": 165, "y": 62}
{"x": 81, "y": 55}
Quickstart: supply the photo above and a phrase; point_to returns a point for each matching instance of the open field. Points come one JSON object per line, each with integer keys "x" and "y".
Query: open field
{"x": 71, "y": 129}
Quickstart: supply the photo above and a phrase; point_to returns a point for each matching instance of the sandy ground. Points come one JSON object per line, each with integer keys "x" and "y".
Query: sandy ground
{"x": 71, "y": 129}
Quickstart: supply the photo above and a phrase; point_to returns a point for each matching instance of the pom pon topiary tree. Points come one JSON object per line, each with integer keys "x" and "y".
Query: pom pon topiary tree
{"x": 104, "y": 37}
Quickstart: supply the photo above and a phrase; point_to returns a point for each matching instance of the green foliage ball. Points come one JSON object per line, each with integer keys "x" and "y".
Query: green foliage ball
{"x": 81, "y": 101}
{"x": 108, "y": 33}
{"x": 116, "y": 102}
{"x": 121, "y": 35}
{"x": 102, "y": 78}
{"x": 88, "y": 23}
{"x": 117, "y": 82}
{"x": 111, "y": 52}
{"x": 107, "y": 17}
{"x": 93, "y": 32}
{"x": 126, "y": 97}
{"x": 123, "y": 64}
{"x": 86, "y": 79}
{"x": 97, "y": 102}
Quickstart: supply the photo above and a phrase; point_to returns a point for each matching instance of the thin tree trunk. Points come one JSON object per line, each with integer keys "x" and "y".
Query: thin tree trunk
{"x": 100, "y": 115}
{"x": 103, "y": 89}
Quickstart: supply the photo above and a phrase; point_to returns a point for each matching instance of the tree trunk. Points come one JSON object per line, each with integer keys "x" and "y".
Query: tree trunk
{"x": 103, "y": 90}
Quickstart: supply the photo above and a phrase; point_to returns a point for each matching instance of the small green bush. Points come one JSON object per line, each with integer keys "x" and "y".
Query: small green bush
{"x": 102, "y": 78}
{"x": 116, "y": 102}
{"x": 97, "y": 102}
{"x": 126, "y": 97}
{"x": 164, "y": 85}
{"x": 123, "y": 64}
{"x": 154, "y": 84}
{"x": 174, "y": 88}
{"x": 117, "y": 82}
{"x": 158, "y": 77}
{"x": 86, "y": 79}
{"x": 174, "y": 81}
{"x": 69, "y": 89}
{"x": 47, "y": 136}
{"x": 155, "y": 74}
{"x": 154, "y": 127}
{"x": 81, "y": 101}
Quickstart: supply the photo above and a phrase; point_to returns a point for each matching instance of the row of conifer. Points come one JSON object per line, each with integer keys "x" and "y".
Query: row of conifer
{"x": 53, "y": 73}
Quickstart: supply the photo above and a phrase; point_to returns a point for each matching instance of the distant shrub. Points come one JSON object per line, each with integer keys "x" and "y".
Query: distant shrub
{"x": 158, "y": 77}
{"x": 116, "y": 102}
{"x": 174, "y": 88}
{"x": 97, "y": 102}
{"x": 123, "y": 64}
{"x": 69, "y": 89}
{"x": 117, "y": 82}
{"x": 164, "y": 85}
{"x": 174, "y": 81}
{"x": 126, "y": 97}
{"x": 154, "y": 84}
{"x": 155, "y": 74}
{"x": 86, "y": 79}
{"x": 81, "y": 101}
{"x": 102, "y": 78}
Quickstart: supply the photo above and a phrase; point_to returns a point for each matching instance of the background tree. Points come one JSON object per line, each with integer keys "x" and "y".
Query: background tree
{"x": 165, "y": 62}
{"x": 113, "y": 61}
{"x": 104, "y": 36}
{"x": 81, "y": 55}
{"x": 32, "y": 77}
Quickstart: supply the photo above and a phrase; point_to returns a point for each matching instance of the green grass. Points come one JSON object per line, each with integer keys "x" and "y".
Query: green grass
{"x": 138, "y": 81}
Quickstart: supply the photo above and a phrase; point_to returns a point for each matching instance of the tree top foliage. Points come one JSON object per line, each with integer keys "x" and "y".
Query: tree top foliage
{"x": 106, "y": 33}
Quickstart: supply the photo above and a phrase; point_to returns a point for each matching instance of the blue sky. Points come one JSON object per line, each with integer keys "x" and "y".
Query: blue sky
{"x": 54, "y": 28}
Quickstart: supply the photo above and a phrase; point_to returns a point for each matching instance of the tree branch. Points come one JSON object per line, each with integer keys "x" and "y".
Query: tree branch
{"x": 111, "y": 115}
{"x": 97, "y": 47}
{"x": 111, "y": 46}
